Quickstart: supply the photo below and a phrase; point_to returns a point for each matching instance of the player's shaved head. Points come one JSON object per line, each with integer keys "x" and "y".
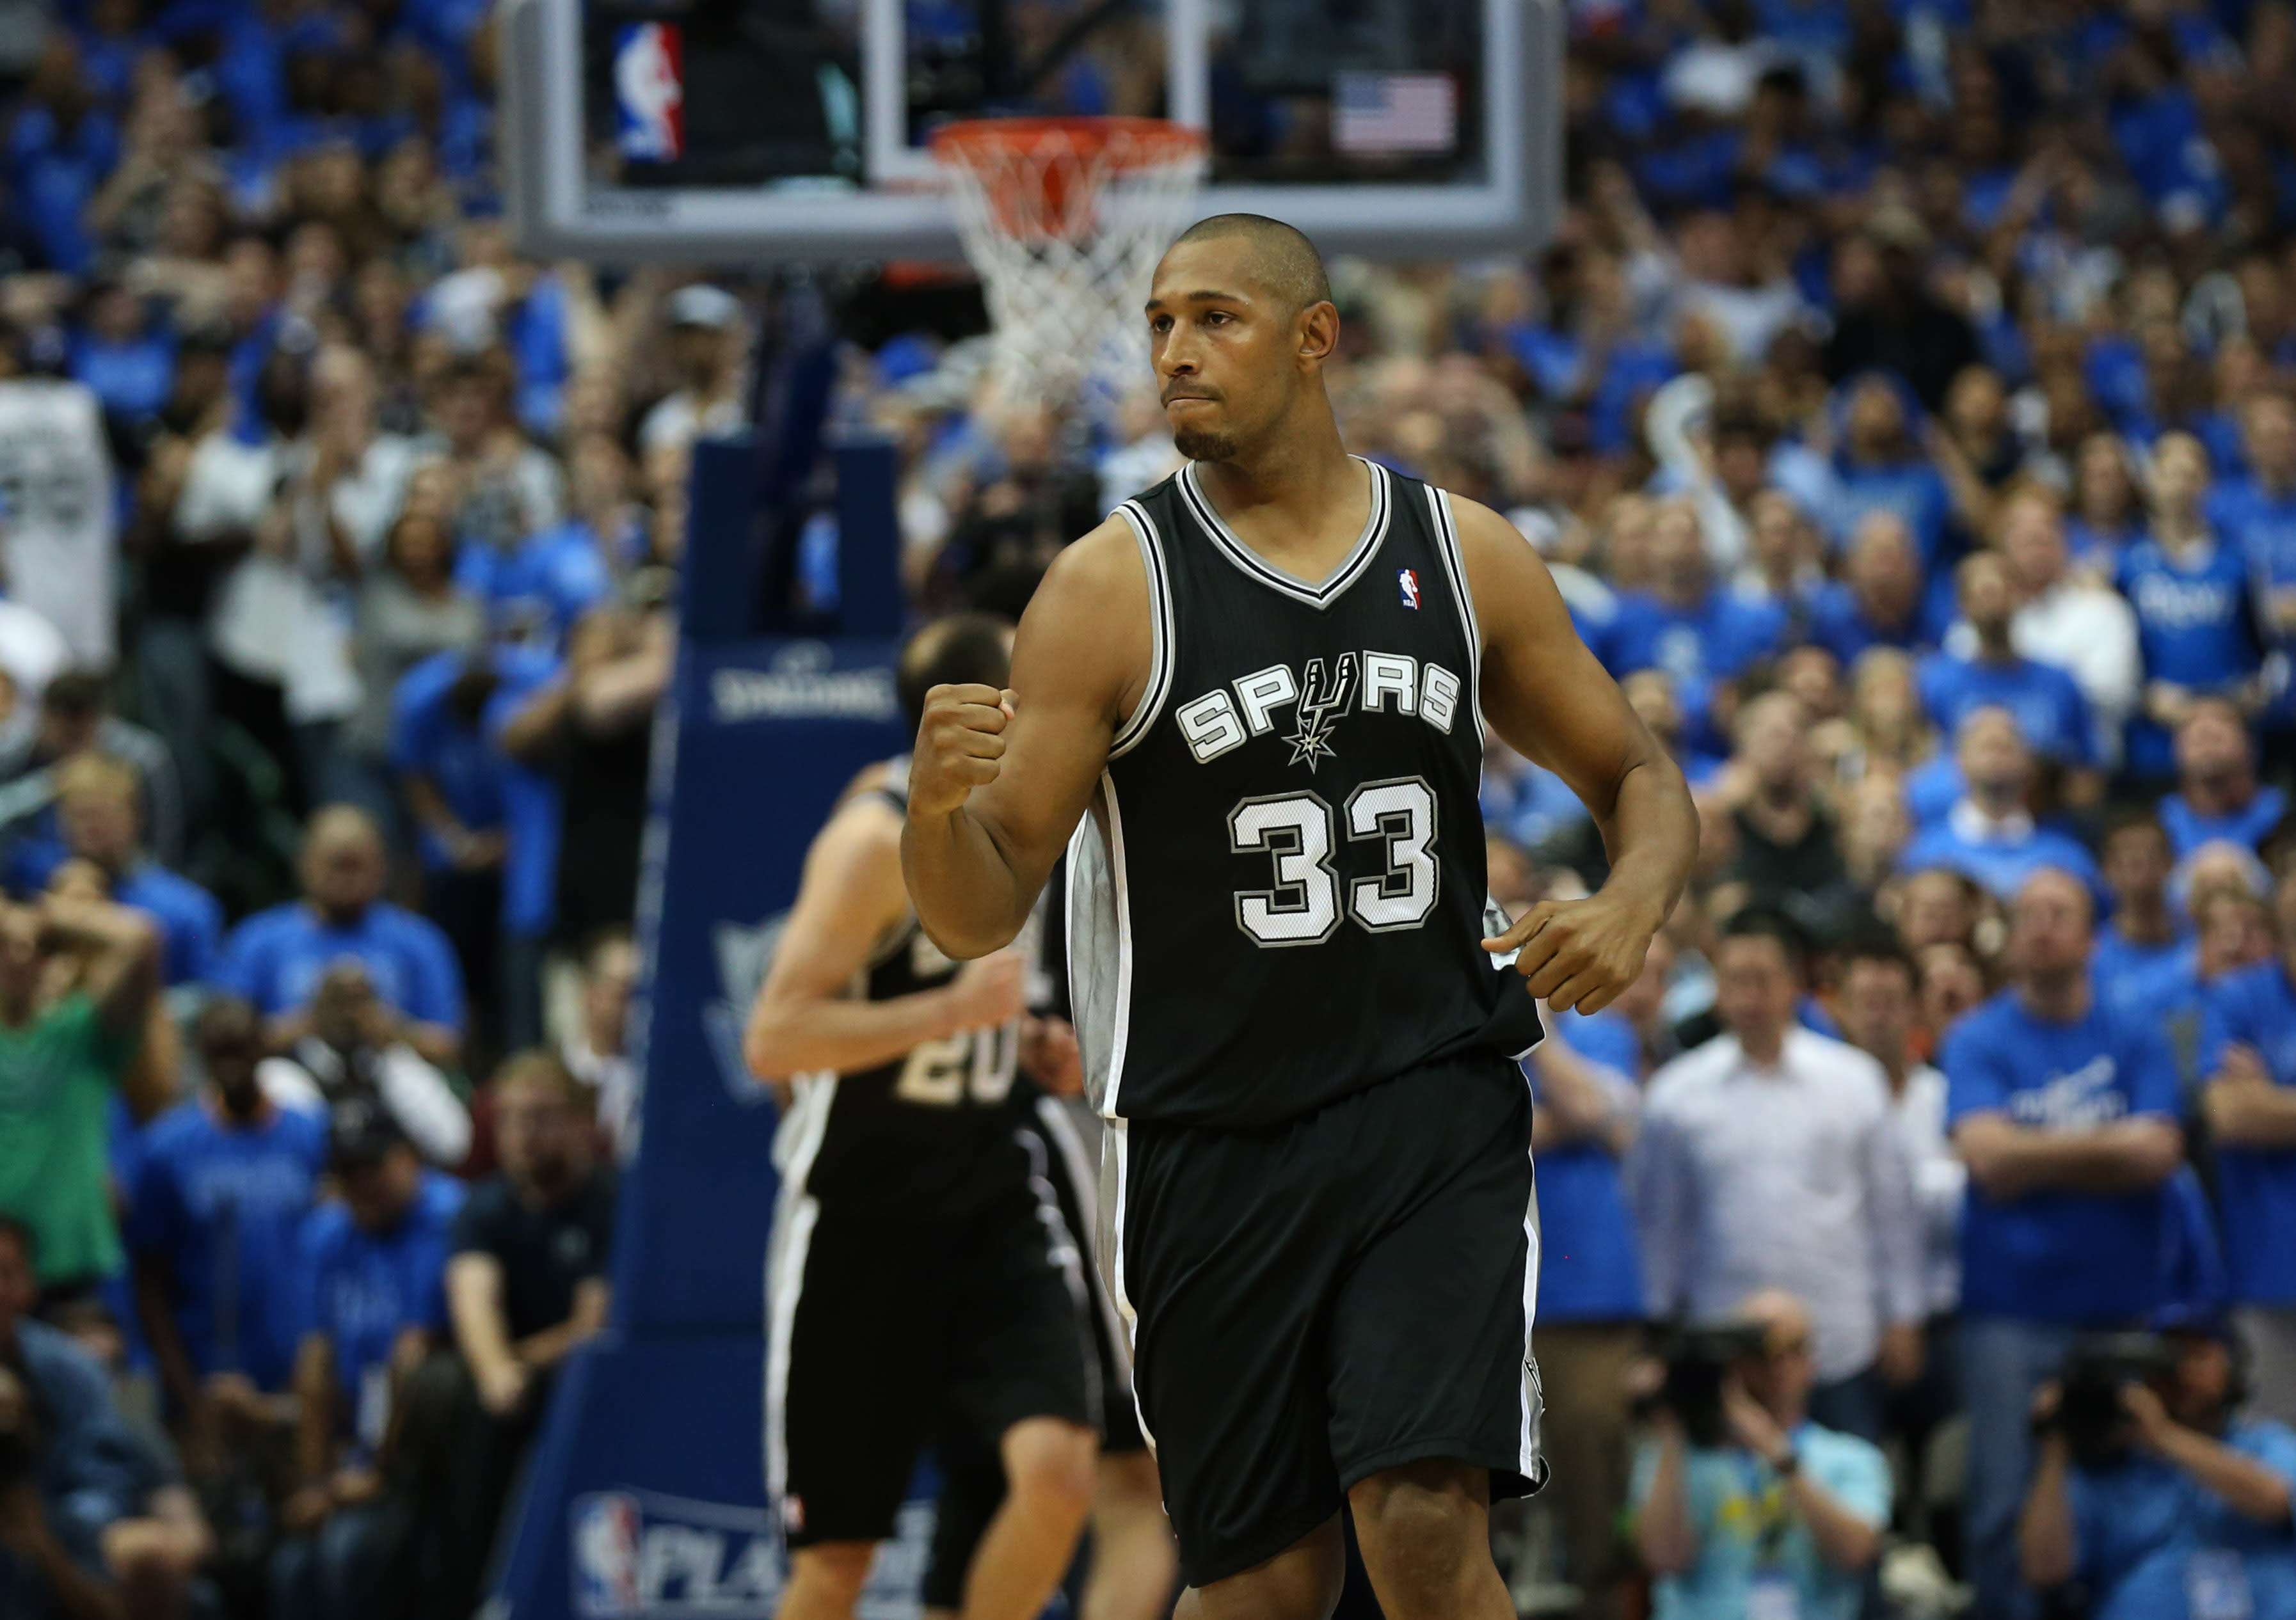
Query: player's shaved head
{"x": 1282, "y": 260}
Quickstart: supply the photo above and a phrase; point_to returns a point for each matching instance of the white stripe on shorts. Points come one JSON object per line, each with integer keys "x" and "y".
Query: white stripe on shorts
{"x": 796, "y": 1212}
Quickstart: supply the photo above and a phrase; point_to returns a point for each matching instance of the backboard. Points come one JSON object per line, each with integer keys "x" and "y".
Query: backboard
{"x": 734, "y": 130}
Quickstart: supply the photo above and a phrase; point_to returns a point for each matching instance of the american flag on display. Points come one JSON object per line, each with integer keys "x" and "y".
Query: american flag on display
{"x": 1394, "y": 112}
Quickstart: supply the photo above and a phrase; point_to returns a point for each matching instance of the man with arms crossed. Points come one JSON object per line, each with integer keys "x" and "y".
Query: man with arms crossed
{"x": 1267, "y": 678}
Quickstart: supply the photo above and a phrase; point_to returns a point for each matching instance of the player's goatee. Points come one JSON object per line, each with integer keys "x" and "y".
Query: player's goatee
{"x": 1200, "y": 445}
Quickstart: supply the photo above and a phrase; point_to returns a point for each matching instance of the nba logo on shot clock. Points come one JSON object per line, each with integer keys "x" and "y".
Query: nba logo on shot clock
{"x": 1407, "y": 580}
{"x": 650, "y": 93}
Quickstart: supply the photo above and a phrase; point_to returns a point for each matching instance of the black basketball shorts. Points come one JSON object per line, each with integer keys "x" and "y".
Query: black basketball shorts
{"x": 971, "y": 1473}
{"x": 1317, "y": 1302}
{"x": 877, "y": 1334}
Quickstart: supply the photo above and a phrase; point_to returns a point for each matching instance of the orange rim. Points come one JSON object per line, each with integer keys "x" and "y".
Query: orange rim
{"x": 1135, "y": 141}
{"x": 1042, "y": 178}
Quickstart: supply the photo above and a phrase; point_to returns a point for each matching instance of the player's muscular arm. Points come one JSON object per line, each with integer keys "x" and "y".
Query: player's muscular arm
{"x": 851, "y": 897}
{"x": 1549, "y": 699}
{"x": 1000, "y": 779}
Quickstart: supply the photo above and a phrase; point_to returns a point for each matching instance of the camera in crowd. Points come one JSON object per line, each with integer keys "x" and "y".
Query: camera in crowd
{"x": 1698, "y": 1355}
{"x": 2090, "y": 1413}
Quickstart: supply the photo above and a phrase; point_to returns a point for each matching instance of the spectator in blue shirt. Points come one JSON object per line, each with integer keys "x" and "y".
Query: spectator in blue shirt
{"x": 99, "y": 812}
{"x": 2051, "y": 713}
{"x": 2146, "y": 932}
{"x": 2180, "y": 1514}
{"x": 536, "y": 591}
{"x": 2106, "y": 517}
{"x": 531, "y": 821}
{"x": 373, "y": 1273}
{"x": 2258, "y": 513}
{"x": 451, "y": 776}
{"x": 1698, "y": 632}
{"x": 2190, "y": 594}
{"x": 60, "y": 148}
{"x": 217, "y": 1209}
{"x": 2248, "y": 1059}
{"x": 56, "y": 1404}
{"x": 1882, "y": 468}
{"x": 1590, "y": 1300}
{"x": 276, "y": 958}
{"x": 123, "y": 361}
{"x": 1989, "y": 834}
{"x": 1585, "y": 356}
{"x": 2066, "y": 1114}
{"x": 2231, "y": 930}
{"x": 1879, "y": 601}
{"x": 1784, "y": 1517}
{"x": 2218, "y": 798}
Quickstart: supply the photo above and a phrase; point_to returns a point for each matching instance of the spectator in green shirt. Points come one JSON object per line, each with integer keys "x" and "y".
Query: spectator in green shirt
{"x": 77, "y": 978}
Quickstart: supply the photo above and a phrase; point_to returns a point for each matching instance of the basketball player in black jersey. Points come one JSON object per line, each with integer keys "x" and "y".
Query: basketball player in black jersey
{"x": 1131, "y": 1561}
{"x": 921, "y": 1271}
{"x": 1267, "y": 680}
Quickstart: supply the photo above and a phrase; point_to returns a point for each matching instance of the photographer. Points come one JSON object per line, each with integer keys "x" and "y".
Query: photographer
{"x": 2149, "y": 1493}
{"x": 66, "y": 1460}
{"x": 1742, "y": 1505}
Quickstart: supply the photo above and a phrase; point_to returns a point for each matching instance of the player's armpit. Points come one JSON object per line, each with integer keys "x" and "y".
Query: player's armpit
{"x": 1080, "y": 661}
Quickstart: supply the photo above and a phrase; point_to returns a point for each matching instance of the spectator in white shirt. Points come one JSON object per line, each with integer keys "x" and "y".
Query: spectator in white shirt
{"x": 1770, "y": 1158}
{"x": 1878, "y": 1009}
{"x": 361, "y": 470}
{"x": 706, "y": 347}
{"x": 596, "y": 1049}
{"x": 1878, "y": 1006}
{"x": 504, "y": 486}
{"x": 2086, "y": 629}
{"x": 1750, "y": 302}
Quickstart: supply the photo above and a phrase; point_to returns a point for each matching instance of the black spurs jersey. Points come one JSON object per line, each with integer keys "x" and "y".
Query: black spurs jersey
{"x": 925, "y": 1137}
{"x": 1284, "y": 901}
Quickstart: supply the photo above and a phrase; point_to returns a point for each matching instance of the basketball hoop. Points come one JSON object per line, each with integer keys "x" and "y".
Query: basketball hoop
{"x": 1064, "y": 218}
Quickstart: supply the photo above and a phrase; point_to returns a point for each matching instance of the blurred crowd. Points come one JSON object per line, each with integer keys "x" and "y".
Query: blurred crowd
{"x": 1906, "y": 406}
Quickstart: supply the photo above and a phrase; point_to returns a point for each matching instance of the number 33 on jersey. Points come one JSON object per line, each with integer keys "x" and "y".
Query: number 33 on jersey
{"x": 1290, "y": 820}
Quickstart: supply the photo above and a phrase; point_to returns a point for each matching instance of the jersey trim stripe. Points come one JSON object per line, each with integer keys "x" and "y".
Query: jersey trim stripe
{"x": 1076, "y": 1164}
{"x": 1527, "y": 1458}
{"x": 1115, "y": 1169}
{"x": 1162, "y": 654}
{"x": 795, "y": 1215}
{"x": 1112, "y": 1106}
{"x": 1246, "y": 559}
{"x": 1454, "y": 564}
{"x": 1067, "y": 1256}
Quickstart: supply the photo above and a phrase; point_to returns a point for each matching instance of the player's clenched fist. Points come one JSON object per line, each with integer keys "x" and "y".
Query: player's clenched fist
{"x": 959, "y": 743}
{"x": 1578, "y": 952}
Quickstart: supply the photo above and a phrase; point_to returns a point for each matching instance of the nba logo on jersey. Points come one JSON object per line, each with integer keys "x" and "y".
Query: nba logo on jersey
{"x": 649, "y": 91}
{"x": 1407, "y": 581}
{"x": 606, "y": 1528}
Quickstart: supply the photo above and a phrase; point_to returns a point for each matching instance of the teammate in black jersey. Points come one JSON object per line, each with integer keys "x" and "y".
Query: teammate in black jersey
{"x": 921, "y": 1270}
{"x": 1131, "y": 1569}
{"x": 1267, "y": 679}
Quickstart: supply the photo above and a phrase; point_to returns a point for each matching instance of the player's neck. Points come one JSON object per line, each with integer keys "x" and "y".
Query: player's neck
{"x": 1300, "y": 504}
{"x": 1296, "y": 476}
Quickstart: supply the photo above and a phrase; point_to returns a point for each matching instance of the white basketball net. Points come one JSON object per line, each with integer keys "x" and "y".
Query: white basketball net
{"x": 1064, "y": 219}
